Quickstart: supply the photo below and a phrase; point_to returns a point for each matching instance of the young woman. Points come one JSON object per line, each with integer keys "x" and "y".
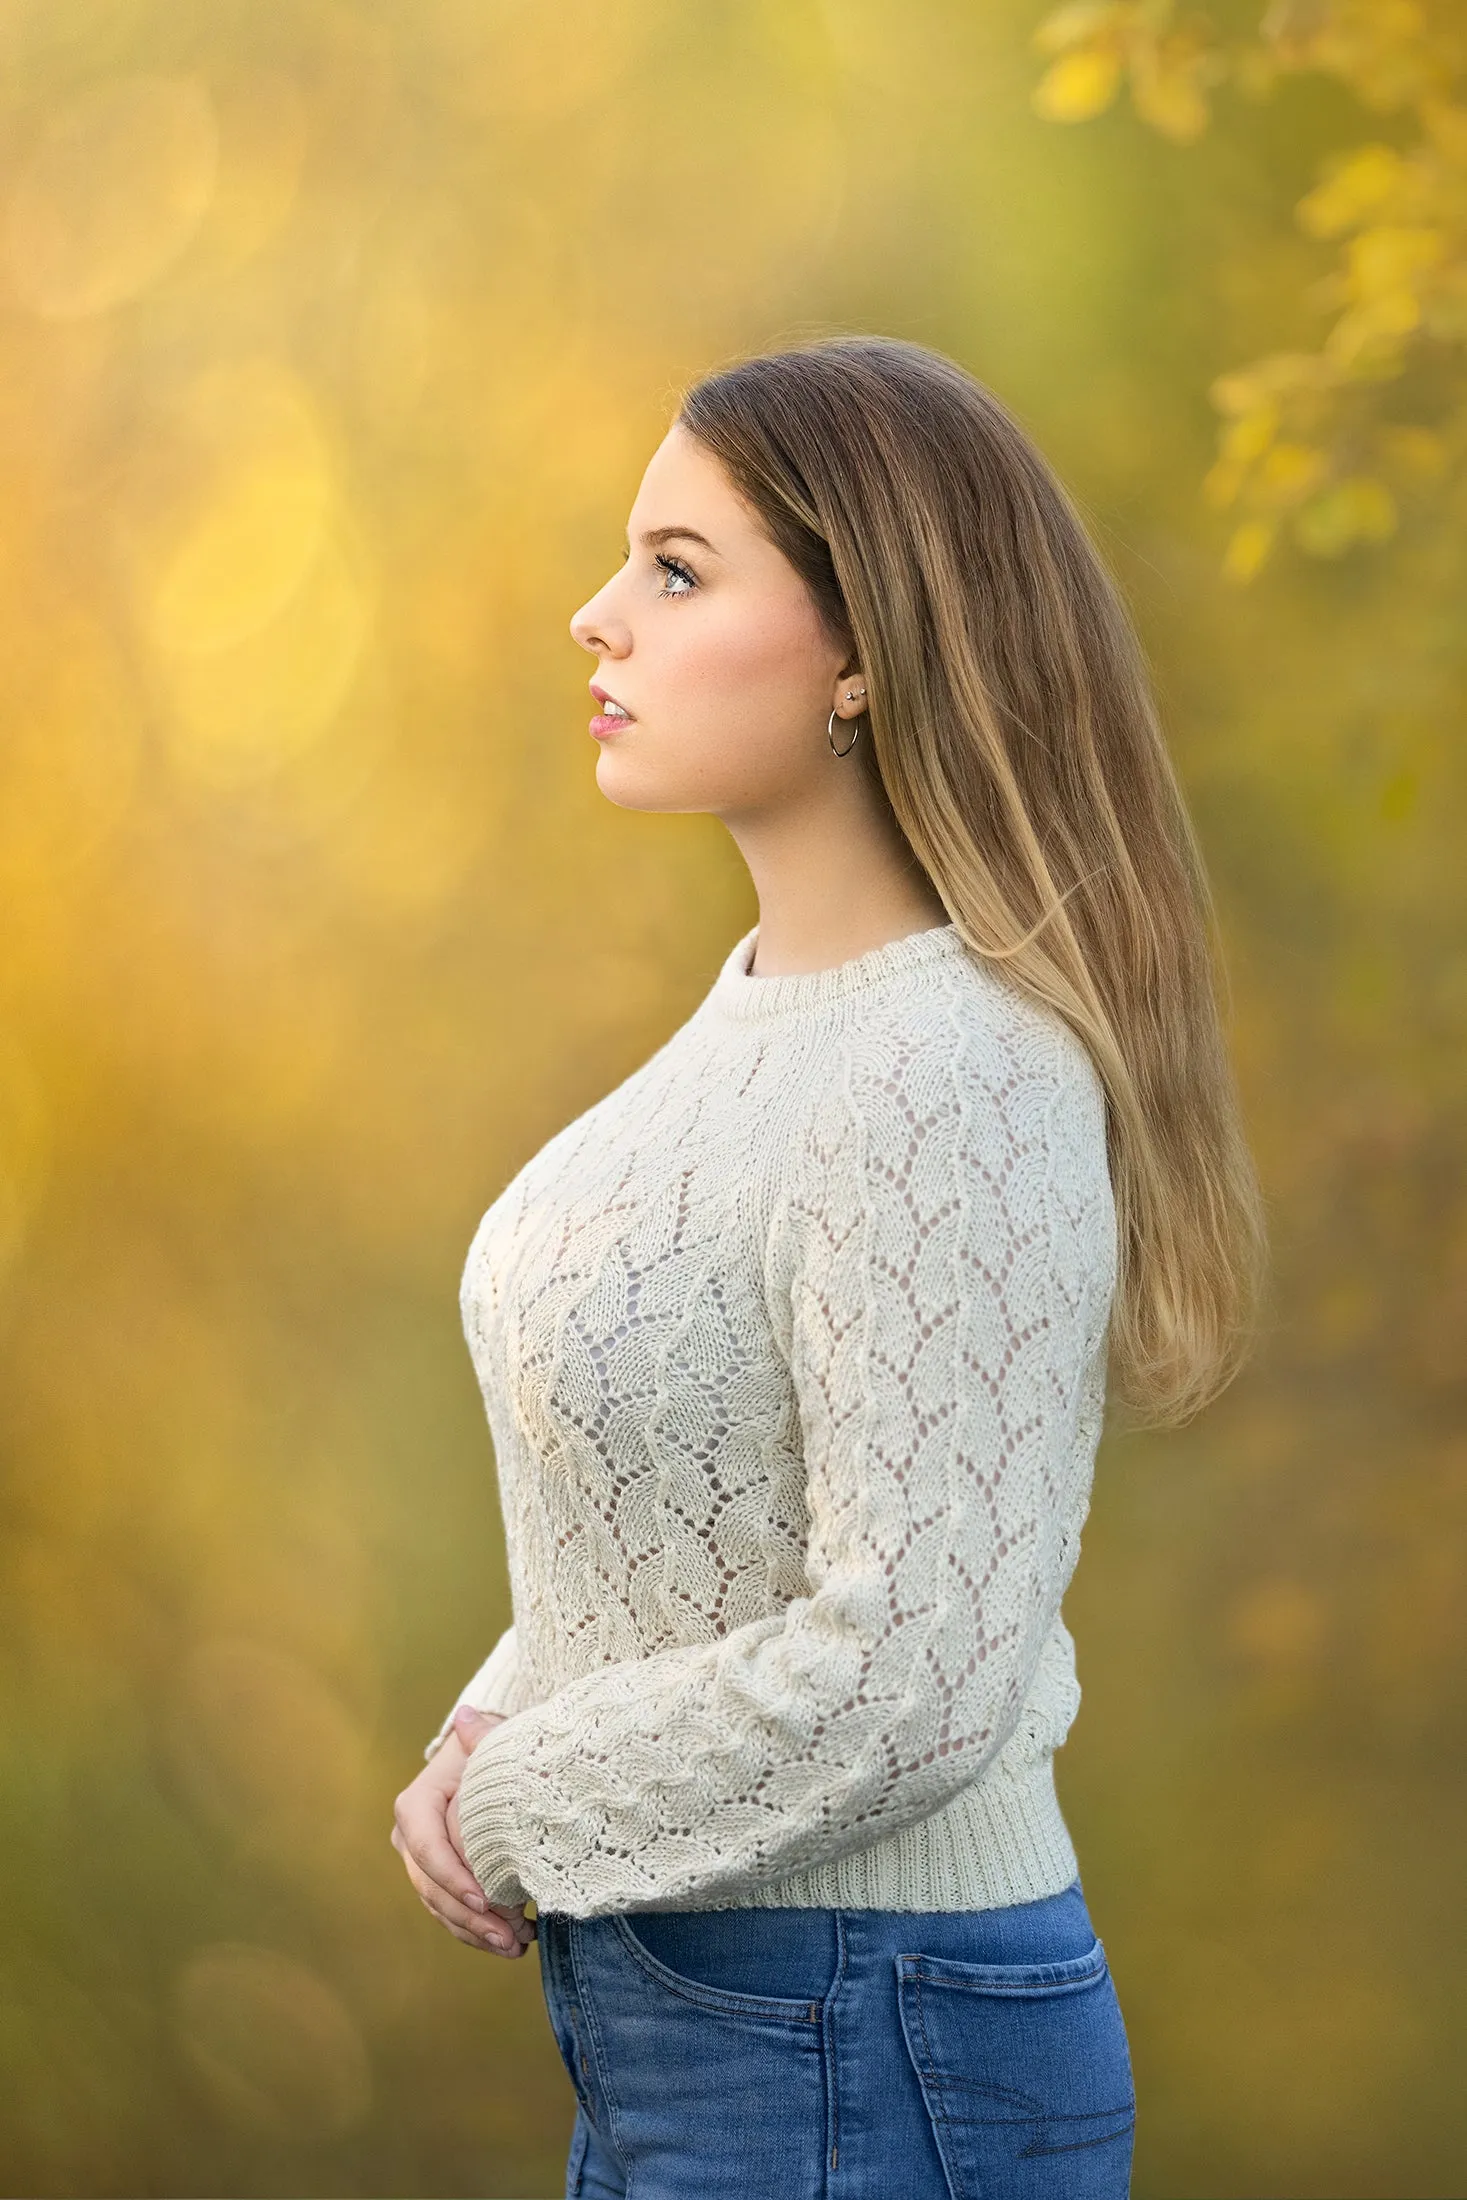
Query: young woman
{"x": 795, "y": 1347}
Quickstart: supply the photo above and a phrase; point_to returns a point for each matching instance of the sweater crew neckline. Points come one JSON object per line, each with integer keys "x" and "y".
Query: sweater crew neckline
{"x": 745, "y": 997}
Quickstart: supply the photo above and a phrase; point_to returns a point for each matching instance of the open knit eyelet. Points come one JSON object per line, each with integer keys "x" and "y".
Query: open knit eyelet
{"x": 792, "y": 1349}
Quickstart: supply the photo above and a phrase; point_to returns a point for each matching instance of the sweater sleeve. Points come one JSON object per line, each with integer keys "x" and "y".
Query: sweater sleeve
{"x": 934, "y": 1360}
{"x": 493, "y": 1688}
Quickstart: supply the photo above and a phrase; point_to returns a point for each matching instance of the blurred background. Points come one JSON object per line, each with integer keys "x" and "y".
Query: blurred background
{"x": 334, "y": 335}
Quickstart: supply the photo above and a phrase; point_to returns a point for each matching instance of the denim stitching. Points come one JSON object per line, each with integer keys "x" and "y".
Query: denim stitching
{"x": 1029, "y": 2105}
{"x": 942, "y": 2114}
{"x": 719, "y": 1999}
{"x": 1073, "y": 2146}
{"x": 588, "y": 2011}
{"x": 1069, "y": 1981}
{"x": 1035, "y": 2108}
{"x": 832, "y": 2074}
{"x": 940, "y": 2088}
{"x": 554, "y": 1948}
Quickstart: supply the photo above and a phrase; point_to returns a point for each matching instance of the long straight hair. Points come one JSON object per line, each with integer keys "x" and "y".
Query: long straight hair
{"x": 1017, "y": 740}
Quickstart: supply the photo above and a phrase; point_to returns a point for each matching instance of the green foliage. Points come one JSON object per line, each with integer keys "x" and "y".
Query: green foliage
{"x": 1315, "y": 442}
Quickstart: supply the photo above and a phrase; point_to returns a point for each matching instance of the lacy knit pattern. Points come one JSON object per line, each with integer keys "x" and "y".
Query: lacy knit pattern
{"x": 793, "y": 1352}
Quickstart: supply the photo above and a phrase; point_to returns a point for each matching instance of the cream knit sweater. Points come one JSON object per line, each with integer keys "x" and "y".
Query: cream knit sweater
{"x": 793, "y": 1352}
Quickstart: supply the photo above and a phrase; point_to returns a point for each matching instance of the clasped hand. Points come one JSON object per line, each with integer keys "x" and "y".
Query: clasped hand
{"x": 426, "y": 1835}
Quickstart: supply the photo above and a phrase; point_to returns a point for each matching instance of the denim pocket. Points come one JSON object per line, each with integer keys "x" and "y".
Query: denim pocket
{"x": 802, "y": 2011}
{"x": 708, "y": 2090}
{"x": 1025, "y": 2073}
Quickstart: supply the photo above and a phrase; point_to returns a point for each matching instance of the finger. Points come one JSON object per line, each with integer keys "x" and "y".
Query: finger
{"x": 524, "y": 1927}
{"x": 474, "y": 1911}
{"x": 428, "y": 1845}
{"x": 523, "y": 1931}
{"x": 471, "y": 1898}
{"x": 469, "y": 1940}
{"x": 489, "y": 1931}
{"x": 471, "y": 1726}
{"x": 475, "y": 1932}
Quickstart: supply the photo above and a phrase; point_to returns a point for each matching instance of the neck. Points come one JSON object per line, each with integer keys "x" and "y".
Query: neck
{"x": 834, "y": 876}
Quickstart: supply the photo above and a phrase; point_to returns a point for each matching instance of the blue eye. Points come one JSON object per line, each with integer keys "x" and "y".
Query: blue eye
{"x": 676, "y": 571}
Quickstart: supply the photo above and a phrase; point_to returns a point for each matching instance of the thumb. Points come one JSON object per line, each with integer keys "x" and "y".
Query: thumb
{"x": 471, "y": 1726}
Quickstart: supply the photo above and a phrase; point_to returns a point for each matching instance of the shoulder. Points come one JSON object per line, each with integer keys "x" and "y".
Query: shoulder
{"x": 961, "y": 1054}
{"x": 957, "y": 1111}
{"x": 955, "y": 1127}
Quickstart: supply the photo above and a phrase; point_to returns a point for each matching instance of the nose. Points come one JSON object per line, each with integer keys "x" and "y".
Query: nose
{"x": 597, "y": 628}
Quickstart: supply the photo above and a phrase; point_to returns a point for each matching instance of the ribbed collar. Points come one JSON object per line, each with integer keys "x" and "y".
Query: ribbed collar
{"x": 735, "y": 994}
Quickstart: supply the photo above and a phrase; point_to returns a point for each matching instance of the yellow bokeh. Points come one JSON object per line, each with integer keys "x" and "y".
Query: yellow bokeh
{"x": 112, "y": 194}
{"x": 273, "y": 2046}
{"x": 335, "y": 340}
{"x": 1078, "y": 85}
{"x": 229, "y": 503}
{"x": 240, "y": 708}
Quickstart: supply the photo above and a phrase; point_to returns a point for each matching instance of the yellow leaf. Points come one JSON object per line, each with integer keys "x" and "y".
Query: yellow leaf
{"x": 1328, "y": 293}
{"x": 1255, "y": 72}
{"x": 1415, "y": 451}
{"x": 1289, "y": 471}
{"x": 1250, "y": 437}
{"x": 1386, "y": 259}
{"x": 1325, "y": 528}
{"x": 1078, "y": 85}
{"x": 1360, "y": 509}
{"x": 1072, "y": 26}
{"x": 1367, "y": 339}
{"x": 1447, "y": 127}
{"x": 1250, "y": 388}
{"x": 1171, "y": 100}
{"x": 1353, "y": 191}
{"x": 1236, "y": 393}
{"x": 1296, "y": 370}
{"x": 1248, "y": 548}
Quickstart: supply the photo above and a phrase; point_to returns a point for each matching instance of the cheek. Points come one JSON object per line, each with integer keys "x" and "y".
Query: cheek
{"x": 758, "y": 677}
{"x": 732, "y": 696}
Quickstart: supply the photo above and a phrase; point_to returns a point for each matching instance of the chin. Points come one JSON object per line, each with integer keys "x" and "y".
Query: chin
{"x": 631, "y": 786}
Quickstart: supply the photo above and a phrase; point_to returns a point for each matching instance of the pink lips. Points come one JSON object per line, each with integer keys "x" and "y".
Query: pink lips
{"x": 603, "y": 727}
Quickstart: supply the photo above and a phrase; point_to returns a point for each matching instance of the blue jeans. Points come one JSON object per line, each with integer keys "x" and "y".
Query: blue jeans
{"x": 752, "y": 2054}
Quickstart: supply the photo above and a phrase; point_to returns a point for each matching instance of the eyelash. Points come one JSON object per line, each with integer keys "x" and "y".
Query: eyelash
{"x": 675, "y": 569}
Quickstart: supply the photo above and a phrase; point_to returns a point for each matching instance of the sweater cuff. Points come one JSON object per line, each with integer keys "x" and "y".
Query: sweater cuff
{"x": 487, "y": 1820}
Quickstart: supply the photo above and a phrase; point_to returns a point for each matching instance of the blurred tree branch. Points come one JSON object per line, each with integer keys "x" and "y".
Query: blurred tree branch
{"x": 1327, "y": 443}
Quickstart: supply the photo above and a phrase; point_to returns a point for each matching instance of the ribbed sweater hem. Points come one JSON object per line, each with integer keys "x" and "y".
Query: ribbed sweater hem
{"x": 1000, "y": 1842}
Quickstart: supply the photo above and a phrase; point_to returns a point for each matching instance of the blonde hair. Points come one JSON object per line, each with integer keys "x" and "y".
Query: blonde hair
{"x": 1016, "y": 737}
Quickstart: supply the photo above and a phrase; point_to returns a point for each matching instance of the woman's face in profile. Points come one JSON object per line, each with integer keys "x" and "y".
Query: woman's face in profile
{"x": 709, "y": 640}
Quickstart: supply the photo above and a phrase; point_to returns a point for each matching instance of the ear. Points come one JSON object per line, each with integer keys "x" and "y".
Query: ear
{"x": 850, "y": 694}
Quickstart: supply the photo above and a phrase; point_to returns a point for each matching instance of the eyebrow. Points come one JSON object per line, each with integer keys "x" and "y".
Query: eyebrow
{"x": 655, "y": 536}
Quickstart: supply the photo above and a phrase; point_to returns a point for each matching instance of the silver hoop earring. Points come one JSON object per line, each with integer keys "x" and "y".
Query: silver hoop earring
{"x": 830, "y": 737}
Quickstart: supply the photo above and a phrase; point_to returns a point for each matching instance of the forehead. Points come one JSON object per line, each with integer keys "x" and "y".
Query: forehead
{"x": 684, "y": 484}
